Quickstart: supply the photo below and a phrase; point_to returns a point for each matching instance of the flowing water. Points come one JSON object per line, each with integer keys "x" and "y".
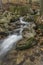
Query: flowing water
{"x": 12, "y": 39}
{"x": 8, "y": 43}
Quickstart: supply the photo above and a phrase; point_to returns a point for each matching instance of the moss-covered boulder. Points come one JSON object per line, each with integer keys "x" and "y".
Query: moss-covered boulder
{"x": 40, "y": 26}
{"x": 27, "y": 44}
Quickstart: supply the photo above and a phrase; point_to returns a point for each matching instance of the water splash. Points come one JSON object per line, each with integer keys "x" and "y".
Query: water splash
{"x": 23, "y": 22}
{"x": 30, "y": 24}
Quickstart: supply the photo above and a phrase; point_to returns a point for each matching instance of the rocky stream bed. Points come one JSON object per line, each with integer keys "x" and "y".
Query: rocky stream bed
{"x": 26, "y": 53}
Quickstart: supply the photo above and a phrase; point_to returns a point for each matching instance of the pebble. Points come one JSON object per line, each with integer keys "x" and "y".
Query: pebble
{"x": 32, "y": 58}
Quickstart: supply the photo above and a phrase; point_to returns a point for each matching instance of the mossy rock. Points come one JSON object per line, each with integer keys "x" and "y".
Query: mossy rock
{"x": 35, "y": 17}
{"x": 15, "y": 18}
{"x": 29, "y": 18}
{"x": 21, "y": 10}
{"x": 30, "y": 42}
{"x": 40, "y": 26}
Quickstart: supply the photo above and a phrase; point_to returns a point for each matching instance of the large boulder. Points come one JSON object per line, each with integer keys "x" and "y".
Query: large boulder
{"x": 26, "y": 43}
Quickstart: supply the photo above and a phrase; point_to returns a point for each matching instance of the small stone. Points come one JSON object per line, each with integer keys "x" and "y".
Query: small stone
{"x": 32, "y": 58}
{"x": 19, "y": 59}
{"x": 41, "y": 51}
{"x": 41, "y": 58}
{"x": 37, "y": 52}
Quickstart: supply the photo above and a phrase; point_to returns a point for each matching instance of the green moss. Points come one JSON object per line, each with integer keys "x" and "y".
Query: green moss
{"x": 35, "y": 17}
{"x": 11, "y": 8}
{"x": 40, "y": 26}
{"x": 29, "y": 18}
{"x": 30, "y": 42}
{"x": 21, "y": 10}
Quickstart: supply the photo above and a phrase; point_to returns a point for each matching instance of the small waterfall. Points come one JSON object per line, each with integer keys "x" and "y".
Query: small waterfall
{"x": 8, "y": 43}
{"x": 13, "y": 39}
{"x": 23, "y": 22}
